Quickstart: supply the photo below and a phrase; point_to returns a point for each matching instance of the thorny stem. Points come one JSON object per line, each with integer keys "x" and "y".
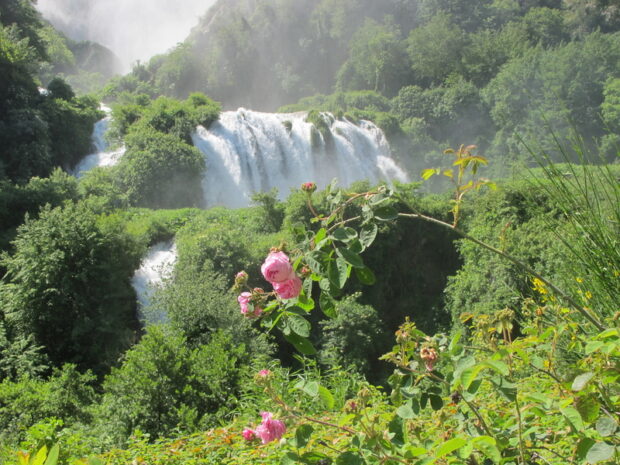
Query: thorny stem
{"x": 512, "y": 259}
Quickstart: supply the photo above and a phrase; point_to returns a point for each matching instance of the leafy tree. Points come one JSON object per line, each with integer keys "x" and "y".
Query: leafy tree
{"x": 355, "y": 338}
{"x": 377, "y": 60}
{"x": 435, "y": 50}
{"x": 67, "y": 286}
{"x": 67, "y": 395}
{"x": 160, "y": 171}
{"x": 164, "y": 386}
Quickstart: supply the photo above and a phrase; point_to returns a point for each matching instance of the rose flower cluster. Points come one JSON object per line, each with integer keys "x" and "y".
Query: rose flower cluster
{"x": 278, "y": 270}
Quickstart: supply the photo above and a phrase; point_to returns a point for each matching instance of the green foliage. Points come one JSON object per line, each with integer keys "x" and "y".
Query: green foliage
{"x": 354, "y": 338}
{"x": 18, "y": 200}
{"x": 66, "y": 395}
{"x": 164, "y": 386}
{"x": 159, "y": 170}
{"x": 377, "y": 61}
{"x": 48, "y": 290}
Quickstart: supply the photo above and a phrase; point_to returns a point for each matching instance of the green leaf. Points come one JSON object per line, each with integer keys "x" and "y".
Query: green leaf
{"x": 40, "y": 457}
{"x": 305, "y": 302}
{"x": 338, "y": 272}
{"x": 290, "y": 458}
{"x": 349, "y": 458}
{"x": 600, "y": 452}
{"x": 583, "y": 447}
{"x": 428, "y": 173}
{"x": 405, "y": 411}
{"x": 386, "y": 213}
{"x": 302, "y": 344}
{"x": 320, "y": 235}
{"x": 574, "y": 418}
{"x": 52, "y": 457}
{"x": 450, "y": 446}
{"x": 328, "y": 306}
{"x": 368, "y": 234}
{"x": 606, "y": 426}
{"x": 302, "y": 435}
{"x": 436, "y": 402}
{"x": 414, "y": 451}
{"x": 469, "y": 375}
{"x": 298, "y": 324}
{"x": 344, "y": 234}
{"x": 350, "y": 257}
{"x": 365, "y": 276}
{"x": 326, "y": 397}
{"x": 488, "y": 447}
{"x": 311, "y": 388}
{"x": 498, "y": 366}
{"x": 581, "y": 381}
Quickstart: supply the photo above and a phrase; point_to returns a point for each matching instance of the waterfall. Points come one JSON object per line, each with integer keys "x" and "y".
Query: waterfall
{"x": 156, "y": 266}
{"x": 101, "y": 156}
{"x": 248, "y": 152}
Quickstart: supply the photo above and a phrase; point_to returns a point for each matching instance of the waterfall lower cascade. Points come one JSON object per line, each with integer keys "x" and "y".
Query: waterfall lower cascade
{"x": 248, "y": 152}
{"x": 156, "y": 266}
{"x": 102, "y": 156}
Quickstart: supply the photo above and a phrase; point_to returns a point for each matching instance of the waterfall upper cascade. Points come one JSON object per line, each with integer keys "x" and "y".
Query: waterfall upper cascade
{"x": 102, "y": 156}
{"x": 156, "y": 266}
{"x": 248, "y": 151}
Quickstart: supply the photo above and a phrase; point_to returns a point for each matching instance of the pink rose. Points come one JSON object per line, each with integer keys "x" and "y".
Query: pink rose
{"x": 270, "y": 429}
{"x": 247, "y": 308}
{"x": 288, "y": 289}
{"x": 277, "y": 268}
{"x": 248, "y": 434}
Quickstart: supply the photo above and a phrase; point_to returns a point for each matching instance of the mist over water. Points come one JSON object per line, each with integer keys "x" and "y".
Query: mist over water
{"x": 132, "y": 29}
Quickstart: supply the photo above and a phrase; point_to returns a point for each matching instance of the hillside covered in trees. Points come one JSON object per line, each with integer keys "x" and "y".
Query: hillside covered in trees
{"x": 468, "y": 317}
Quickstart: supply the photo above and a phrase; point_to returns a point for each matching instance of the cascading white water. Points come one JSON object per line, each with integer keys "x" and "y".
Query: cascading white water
{"x": 101, "y": 156}
{"x": 156, "y": 266}
{"x": 248, "y": 152}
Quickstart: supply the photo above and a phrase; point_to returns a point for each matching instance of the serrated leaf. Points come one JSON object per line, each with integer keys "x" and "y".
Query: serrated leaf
{"x": 600, "y": 452}
{"x": 350, "y": 257}
{"x": 469, "y": 375}
{"x": 405, "y": 411}
{"x": 488, "y": 447}
{"x": 368, "y": 234}
{"x": 302, "y": 344}
{"x": 302, "y": 435}
{"x": 349, "y": 458}
{"x": 450, "y": 446}
{"x": 326, "y": 397}
{"x": 583, "y": 447}
{"x": 385, "y": 213}
{"x": 338, "y": 272}
{"x": 298, "y": 324}
{"x": 365, "y": 276}
{"x": 498, "y": 366}
{"x": 290, "y": 458}
{"x": 344, "y": 234}
{"x": 303, "y": 301}
{"x": 573, "y": 416}
{"x": 581, "y": 381}
{"x": 320, "y": 235}
{"x": 606, "y": 426}
{"x": 328, "y": 306}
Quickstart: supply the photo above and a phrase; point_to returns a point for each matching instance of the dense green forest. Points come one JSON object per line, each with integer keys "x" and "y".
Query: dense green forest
{"x": 452, "y": 320}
